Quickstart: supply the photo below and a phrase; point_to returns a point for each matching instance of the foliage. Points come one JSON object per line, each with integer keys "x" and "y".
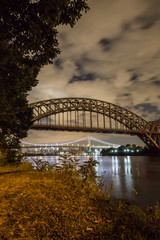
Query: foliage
{"x": 128, "y": 149}
{"x": 54, "y": 205}
{"x": 9, "y": 157}
{"x": 25, "y": 166}
{"x": 70, "y": 165}
{"x": 28, "y": 42}
{"x": 40, "y": 165}
{"x": 86, "y": 171}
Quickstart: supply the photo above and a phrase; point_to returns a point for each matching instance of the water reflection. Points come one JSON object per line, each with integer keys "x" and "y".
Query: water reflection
{"x": 117, "y": 172}
{"x": 128, "y": 176}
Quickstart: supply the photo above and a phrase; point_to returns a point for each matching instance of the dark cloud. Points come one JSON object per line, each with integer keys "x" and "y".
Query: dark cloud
{"x": 134, "y": 77}
{"x": 147, "y": 107}
{"x": 153, "y": 78}
{"x": 130, "y": 70}
{"x": 83, "y": 78}
{"x": 157, "y": 82}
{"x": 123, "y": 96}
{"x": 144, "y": 115}
{"x": 126, "y": 94}
{"x": 126, "y": 26}
{"x": 85, "y": 60}
{"x": 105, "y": 43}
{"x": 79, "y": 66}
{"x": 147, "y": 21}
{"x": 143, "y": 22}
{"x": 81, "y": 62}
{"x": 58, "y": 63}
{"x": 63, "y": 40}
{"x": 82, "y": 75}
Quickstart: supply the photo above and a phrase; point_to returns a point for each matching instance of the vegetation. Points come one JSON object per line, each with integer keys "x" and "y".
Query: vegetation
{"x": 129, "y": 150}
{"x": 28, "y": 42}
{"x": 66, "y": 203}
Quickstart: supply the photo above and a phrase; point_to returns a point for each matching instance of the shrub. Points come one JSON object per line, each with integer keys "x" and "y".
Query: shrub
{"x": 9, "y": 157}
{"x": 25, "y": 166}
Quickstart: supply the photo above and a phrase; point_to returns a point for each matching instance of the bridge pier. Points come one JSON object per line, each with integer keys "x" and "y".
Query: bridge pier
{"x": 89, "y": 146}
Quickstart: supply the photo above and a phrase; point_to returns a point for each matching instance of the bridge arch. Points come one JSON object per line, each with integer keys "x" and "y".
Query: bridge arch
{"x": 80, "y": 114}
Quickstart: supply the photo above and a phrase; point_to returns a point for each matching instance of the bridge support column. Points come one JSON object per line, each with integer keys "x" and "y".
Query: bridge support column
{"x": 89, "y": 146}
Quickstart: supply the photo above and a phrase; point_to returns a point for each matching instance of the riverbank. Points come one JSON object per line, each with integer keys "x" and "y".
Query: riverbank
{"x": 103, "y": 154}
{"x": 59, "y": 205}
{"x": 133, "y": 154}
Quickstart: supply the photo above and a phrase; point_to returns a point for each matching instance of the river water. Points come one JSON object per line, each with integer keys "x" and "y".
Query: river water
{"x": 133, "y": 178}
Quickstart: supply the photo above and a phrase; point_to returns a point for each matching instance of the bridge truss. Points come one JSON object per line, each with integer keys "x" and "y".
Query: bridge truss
{"x": 91, "y": 115}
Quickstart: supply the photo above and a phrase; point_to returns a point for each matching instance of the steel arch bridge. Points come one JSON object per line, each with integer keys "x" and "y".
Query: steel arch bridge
{"x": 84, "y": 114}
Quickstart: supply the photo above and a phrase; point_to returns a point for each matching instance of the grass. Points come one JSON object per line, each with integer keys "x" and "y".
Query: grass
{"x": 60, "y": 205}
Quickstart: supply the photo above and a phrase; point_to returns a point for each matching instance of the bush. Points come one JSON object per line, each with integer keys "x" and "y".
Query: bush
{"x": 25, "y": 166}
{"x": 9, "y": 157}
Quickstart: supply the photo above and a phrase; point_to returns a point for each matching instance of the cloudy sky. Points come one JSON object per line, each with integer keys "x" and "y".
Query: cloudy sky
{"x": 111, "y": 54}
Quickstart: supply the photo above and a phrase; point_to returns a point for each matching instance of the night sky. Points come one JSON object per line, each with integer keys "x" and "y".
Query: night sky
{"x": 111, "y": 54}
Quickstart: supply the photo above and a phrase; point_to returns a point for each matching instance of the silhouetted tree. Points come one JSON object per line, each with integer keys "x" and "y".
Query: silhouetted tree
{"x": 28, "y": 41}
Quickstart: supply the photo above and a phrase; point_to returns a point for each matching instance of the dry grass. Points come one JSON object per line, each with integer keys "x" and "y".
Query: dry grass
{"x": 54, "y": 205}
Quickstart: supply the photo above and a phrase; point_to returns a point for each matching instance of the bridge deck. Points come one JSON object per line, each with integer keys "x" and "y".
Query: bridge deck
{"x": 81, "y": 129}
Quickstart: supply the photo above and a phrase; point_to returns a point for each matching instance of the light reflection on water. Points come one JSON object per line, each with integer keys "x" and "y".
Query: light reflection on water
{"x": 135, "y": 178}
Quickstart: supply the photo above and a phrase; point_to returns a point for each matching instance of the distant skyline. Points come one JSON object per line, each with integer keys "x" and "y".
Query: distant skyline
{"x": 111, "y": 54}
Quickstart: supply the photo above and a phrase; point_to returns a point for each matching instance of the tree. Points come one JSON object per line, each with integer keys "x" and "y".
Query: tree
{"x": 28, "y": 41}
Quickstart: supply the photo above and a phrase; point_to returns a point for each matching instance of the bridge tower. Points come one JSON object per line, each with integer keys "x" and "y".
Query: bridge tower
{"x": 89, "y": 145}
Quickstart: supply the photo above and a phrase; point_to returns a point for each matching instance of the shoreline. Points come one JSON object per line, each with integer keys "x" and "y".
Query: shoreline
{"x": 112, "y": 154}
